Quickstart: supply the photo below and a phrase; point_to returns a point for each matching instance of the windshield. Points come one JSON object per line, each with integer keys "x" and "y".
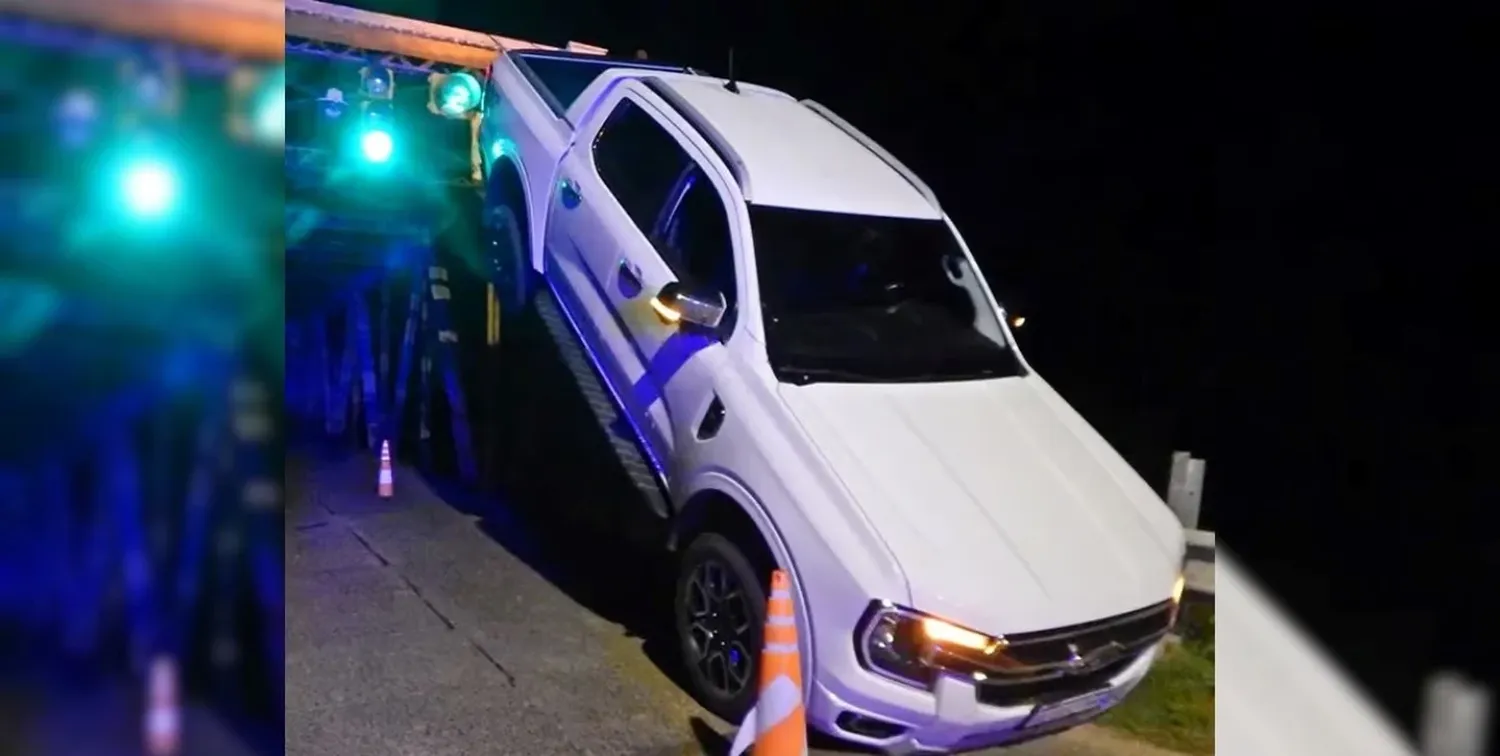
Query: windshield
{"x": 855, "y": 298}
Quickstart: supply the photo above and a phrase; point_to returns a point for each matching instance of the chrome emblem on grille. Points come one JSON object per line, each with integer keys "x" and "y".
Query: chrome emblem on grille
{"x": 1078, "y": 663}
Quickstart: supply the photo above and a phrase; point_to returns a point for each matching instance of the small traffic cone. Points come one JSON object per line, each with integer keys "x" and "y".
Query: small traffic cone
{"x": 777, "y": 724}
{"x": 386, "y": 482}
{"x": 163, "y": 710}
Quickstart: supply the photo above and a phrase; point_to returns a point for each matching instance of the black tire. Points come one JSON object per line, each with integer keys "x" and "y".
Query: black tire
{"x": 714, "y": 551}
{"x": 508, "y": 254}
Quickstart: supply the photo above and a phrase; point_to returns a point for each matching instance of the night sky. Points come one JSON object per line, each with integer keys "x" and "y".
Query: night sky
{"x": 1232, "y": 232}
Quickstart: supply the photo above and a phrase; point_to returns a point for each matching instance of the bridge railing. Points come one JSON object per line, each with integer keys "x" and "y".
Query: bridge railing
{"x": 1276, "y": 675}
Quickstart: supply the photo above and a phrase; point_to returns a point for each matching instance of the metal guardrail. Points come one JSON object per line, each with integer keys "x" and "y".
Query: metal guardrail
{"x": 1455, "y": 715}
{"x": 1184, "y": 498}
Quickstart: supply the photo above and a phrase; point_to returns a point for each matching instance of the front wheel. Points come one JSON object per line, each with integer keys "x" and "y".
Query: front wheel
{"x": 721, "y": 614}
{"x": 507, "y": 253}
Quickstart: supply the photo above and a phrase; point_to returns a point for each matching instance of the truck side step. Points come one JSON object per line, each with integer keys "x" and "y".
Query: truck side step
{"x": 611, "y": 420}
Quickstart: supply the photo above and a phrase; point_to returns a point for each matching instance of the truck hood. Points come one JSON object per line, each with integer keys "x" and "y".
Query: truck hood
{"x": 1006, "y": 511}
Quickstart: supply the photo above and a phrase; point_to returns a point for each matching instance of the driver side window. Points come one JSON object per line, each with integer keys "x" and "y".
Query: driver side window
{"x": 694, "y": 236}
{"x": 670, "y": 199}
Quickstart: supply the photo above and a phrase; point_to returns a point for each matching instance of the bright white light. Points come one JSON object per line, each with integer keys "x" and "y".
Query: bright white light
{"x": 150, "y": 189}
{"x": 376, "y": 145}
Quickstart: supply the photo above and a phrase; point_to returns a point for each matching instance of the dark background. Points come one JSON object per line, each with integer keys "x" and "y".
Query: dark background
{"x": 1239, "y": 232}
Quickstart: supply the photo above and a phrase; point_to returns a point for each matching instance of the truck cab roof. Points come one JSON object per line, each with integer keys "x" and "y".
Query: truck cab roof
{"x": 790, "y": 153}
{"x": 796, "y": 157}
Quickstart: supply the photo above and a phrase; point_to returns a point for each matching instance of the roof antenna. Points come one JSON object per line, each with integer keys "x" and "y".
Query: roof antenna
{"x": 731, "y": 84}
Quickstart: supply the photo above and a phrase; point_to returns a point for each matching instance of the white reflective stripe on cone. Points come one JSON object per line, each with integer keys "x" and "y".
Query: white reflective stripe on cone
{"x": 163, "y": 723}
{"x": 780, "y": 699}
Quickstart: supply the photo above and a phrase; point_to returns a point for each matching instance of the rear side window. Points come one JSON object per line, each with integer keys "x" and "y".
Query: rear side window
{"x": 639, "y": 161}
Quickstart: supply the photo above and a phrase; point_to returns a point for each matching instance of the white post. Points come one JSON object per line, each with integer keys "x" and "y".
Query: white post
{"x": 476, "y": 157}
{"x": 1185, "y": 488}
{"x": 1455, "y": 716}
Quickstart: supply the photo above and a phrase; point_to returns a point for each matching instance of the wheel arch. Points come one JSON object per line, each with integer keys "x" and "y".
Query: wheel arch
{"x": 716, "y": 498}
{"x": 506, "y": 182}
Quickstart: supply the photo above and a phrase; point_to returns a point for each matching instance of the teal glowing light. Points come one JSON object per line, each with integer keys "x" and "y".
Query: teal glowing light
{"x": 376, "y": 145}
{"x": 457, "y": 95}
{"x": 270, "y": 120}
{"x": 150, "y": 188}
{"x": 270, "y": 111}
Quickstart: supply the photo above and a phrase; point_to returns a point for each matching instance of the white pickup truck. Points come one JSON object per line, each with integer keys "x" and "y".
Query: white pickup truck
{"x": 801, "y": 363}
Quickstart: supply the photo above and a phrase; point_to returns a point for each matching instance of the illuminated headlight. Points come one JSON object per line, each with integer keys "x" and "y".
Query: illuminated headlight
{"x": 896, "y": 642}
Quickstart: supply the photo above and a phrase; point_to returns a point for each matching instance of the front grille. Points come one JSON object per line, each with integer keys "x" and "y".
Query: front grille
{"x": 1048, "y": 689}
{"x": 1048, "y": 665}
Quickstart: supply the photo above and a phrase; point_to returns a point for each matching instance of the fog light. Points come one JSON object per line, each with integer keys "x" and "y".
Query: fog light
{"x": 868, "y": 727}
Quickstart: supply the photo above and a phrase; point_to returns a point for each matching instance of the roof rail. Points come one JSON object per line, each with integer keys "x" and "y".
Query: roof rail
{"x": 720, "y": 145}
{"x": 848, "y": 128}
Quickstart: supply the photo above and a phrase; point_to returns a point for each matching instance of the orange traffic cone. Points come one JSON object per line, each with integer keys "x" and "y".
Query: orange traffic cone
{"x": 385, "y": 481}
{"x": 777, "y": 724}
{"x": 163, "y": 715}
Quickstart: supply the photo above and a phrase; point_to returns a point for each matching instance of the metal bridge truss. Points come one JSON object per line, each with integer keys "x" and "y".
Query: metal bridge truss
{"x": 378, "y": 320}
{"x": 343, "y": 376}
{"x": 84, "y": 509}
{"x": 399, "y": 64}
{"x": 306, "y": 85}
{"x": 98, "y": 44}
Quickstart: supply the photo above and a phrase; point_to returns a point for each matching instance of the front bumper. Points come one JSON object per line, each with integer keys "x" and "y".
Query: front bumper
{"x": 950, "y": 717}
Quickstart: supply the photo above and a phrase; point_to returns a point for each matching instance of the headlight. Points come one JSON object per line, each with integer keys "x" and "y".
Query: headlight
{"x": 893, "y": 641}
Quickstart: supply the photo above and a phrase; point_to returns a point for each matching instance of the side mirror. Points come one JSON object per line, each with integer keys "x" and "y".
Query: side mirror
{"x": 678, "y": 302}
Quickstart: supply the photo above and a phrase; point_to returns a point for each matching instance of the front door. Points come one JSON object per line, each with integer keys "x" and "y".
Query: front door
{"x": 635, "y": 210}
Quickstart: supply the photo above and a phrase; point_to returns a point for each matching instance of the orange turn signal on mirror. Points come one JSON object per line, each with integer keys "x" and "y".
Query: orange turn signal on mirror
{"x": 664, "y": 311}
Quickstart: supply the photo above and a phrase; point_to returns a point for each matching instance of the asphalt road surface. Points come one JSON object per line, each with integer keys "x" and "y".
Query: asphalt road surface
{"x": 442, "y": 625}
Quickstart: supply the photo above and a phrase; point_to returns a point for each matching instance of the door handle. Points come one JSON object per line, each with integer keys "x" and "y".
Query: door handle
{"x": 568, "y": 191}
{"x": 630, "y": 279}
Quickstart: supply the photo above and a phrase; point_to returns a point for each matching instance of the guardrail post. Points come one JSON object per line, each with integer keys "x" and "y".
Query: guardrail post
{"x": 1185, "y": 488}
{"x": 1455, "y": 716}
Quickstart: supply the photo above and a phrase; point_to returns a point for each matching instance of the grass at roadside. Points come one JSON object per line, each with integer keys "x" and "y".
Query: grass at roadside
{"x": 1174, "y": 706}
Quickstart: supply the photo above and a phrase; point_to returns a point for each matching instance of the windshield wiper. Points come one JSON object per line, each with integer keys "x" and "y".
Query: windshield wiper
{"x": 801, "y": 376}
{"x": 970, "y": 375}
